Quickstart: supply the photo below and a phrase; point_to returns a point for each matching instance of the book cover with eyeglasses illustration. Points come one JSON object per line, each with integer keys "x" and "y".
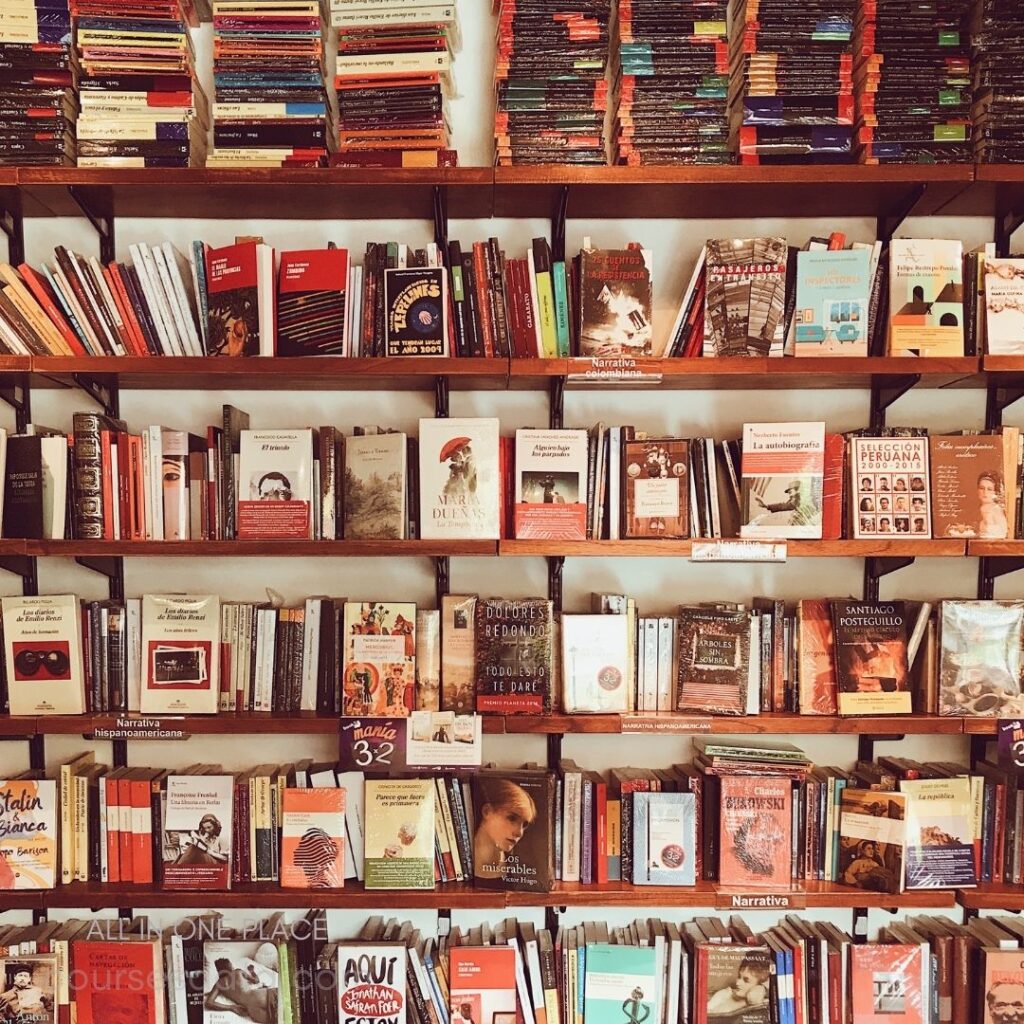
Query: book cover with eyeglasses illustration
{"x": 275, "y": 485}
{"x": 180, "y": 654}
{"x": 43, "y": 651}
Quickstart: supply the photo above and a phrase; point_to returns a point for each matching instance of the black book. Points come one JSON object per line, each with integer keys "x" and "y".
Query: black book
{"x": 23, "y": 488}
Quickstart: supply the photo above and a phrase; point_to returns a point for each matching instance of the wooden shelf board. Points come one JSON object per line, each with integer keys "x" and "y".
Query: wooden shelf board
{"x": 1004, "y": 365}
{"x": 16, "y": 725}
{"x": 995, "y": 548}
{"x": 682, "y": 548}
{"x": 992, "y": 897}
{"x": 980, "y": 726}
{"x": 260, "y": 548}
{"x": 280, "y": 723}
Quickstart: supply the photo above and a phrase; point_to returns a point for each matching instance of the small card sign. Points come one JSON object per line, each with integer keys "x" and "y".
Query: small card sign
{"x": 1010, "y": 742}
{"x": 737, "y": 551}
{"x": 427, "y": 739}
{"x": 726, "y": 899}
{"x": 615, "y": 370}
{"x": 373, "y": 744}
{"x": 142, "y": 729}
{"x": 665, "y": 724}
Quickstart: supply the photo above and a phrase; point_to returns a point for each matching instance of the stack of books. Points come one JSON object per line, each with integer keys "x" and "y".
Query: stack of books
{"x": 393, "y": 75}
{"x": 998, "y": 38}
{"x": 270, "y": 100}
{"x": 550, "y": 82}
{"x": 142, "y": 105}
{"x": 792, "y": 86}
{"x": 672, "y": 83}
{"x": 38, "y": 106}
{"x": 913, "y": 75}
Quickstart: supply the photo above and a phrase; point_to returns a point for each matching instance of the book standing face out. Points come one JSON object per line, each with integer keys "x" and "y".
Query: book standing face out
{"x": 871, "y": 657}
{"x": 615, "y": 302}
{"x": 890, "y": 485}
{"x": 664, "y": 838}
{"x": 249, "y": 969}
{"x": 399, "y": 840}
{"x": 656, "y": 487}
{"x": 313, "y": 838}
{"x": 416, "y": 311}
{"x": 872, "y": 834}
{"x": 458, "y": 653}
{"x": 482, "y": 984}
{"x": 371, "y": 983}
{"x": 275, "y": 485}
{"x": 596, "y": 654}
{"x": 375, "y": 487}
{"x": 197, "y": 832}
{"x": 551, "y": 485}
{"x": 28, "y": 834}
{"x": 514, "y": 656}
{"x": 889, "y": 984}
{"x": 833, "y": 289}
{"x": 380, "y": 659}
{"x": 968, "y": 486}
{"x": 926, "y": 297}
{"x": 713, "y": 662}
{"x": 756, "y": 826}
{"x": 1004, "y": 307}
{"x": 621, "y": 983}
{"x": 939, "y": 834}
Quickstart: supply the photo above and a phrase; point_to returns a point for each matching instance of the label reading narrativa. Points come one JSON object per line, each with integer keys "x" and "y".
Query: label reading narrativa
{"x": 618, "y": 369}
{"x": 726, "y": 900}
{"x": 140, "y": 729}
{"x": 672, "y": 724}
{"x": 737, "y": 551}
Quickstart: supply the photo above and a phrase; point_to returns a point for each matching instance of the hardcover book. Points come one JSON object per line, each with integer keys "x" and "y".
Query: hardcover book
{"x": 30, "y": 987}
{"x": 197, "y": 828}
{"x": 240, "y": 300}
{"x": 734, "y": 983}
{"x": 458, "y": 653}
{"x": 28, "y": 834}
{"x": 514, "y": 656}
{"x": 513, "y": 838}
{"x": 399, "y": 839}
{"x": 379, "y": 678}
{"x": 275, "y": 485}
{"x": 968, "y": 486}
{"x": 115, "y": 979}
{"x": 181, "y": 654}
{"x": 482, "y": 984}
{"x": 620, "y": 983}
{"x": 664, "y": 838}
{"x": 416, "y": 311}
{"x": 872, "y": 834}
{"x": 981, "y": 669}
{"x": 745, "y": 298}
{"x": 371, "y": 983}
{"x": 939, "y": 852}
{"x": 871, "y": 657}
{"x": 551, "y": 485}
{"x": 312, "y": 302}
{"x": 242, "y": 982}
{"x": 1004, "y": 307}
{"x": 313, "y": 838}
{"x": 714, "y": 661}
{"x": 816, "y": 664}
{"x": 926, "y": 297}
{"x": 890, "y": 983}
{"x": 615, "y": 302}
{"x": 656, "y": 488}
{"x": 596, "y": 661}
{"x": 459, "y": 479}
{"x": 756, "y": 822}
{"x": 833, "y": 288}
{"x": 891, "y": 492}
{"x": 375, "y": 487}
{"x": 783, "y": 469}
{"x": 43, "y": 651}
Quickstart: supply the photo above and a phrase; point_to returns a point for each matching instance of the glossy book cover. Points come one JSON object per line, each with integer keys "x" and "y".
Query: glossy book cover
{"x": 756, "y": 823}
{"x": 28, "y": 834}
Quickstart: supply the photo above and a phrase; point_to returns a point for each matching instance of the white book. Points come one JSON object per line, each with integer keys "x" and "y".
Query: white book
{"x": 154, "y": 479}
{"x": 355, "y": 817}
{"x": 275, "y": 485}
{"x": 133, "y": 663}
{"x": 595, "y": 663}
{"x": 145, "y": 267}
{"x": 53, "y": 452}
{"x": 175, "y": 319}
{"x": 311, "y": 654}
{"x": 666, "y": 661}
{"x": 267, "y": 294}
{"x": 61, "y": 286}
{"x": 43, "y": 648}
{"x": 115, "y": 505}
{"x": 113, "y": 342}
{"x": 551, "y": 484}
{"x": 525, "y": 1001}
{"x": 181, "y": 654}
{"x": 614, "y": 481}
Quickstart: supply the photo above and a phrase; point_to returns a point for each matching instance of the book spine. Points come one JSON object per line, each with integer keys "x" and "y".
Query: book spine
{"x": 481, "y": 281}
{"x": 88, "y": 476}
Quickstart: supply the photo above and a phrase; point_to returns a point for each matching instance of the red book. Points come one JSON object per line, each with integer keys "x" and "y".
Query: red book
{"x": 136, "y": 338}
{"x": 40, "y": 289}
{"x": 232, "y": 285}
{"x": 311, "y": 302}
{"x": 124, "y": 835}
{"x": 600, "y": 829}
{"x": 481, "y": 281}
{"x": 107, "y": 485}
{"x": 887, "y": 984}
{"x": 116, "y": 981}
{"x": 142, "y": 828}
{"x": 832, "y": 488}
{"x": 755, "y": 818}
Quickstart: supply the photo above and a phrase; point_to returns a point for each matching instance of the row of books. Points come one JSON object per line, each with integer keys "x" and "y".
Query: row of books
{"x": 202, "y": 971}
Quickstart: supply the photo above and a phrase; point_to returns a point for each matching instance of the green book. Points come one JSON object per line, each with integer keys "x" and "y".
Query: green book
{"x": 561, "y": 308}
{"x": 620, "y": 986}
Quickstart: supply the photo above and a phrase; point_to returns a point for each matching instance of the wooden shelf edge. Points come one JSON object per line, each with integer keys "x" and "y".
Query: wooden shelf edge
{"x": 992, "y": 897}
{"x": 682, "y": 548}
{"x": 257, "y": 548}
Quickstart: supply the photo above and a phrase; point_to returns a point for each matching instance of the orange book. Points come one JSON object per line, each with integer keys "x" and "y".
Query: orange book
{"x": 124, "y": 834}
{"x": 313, "y": 839}
{"x": 142, "y": 827}
{"x": 756, "y": 827}
{"x": 40, "y": 290}
{"x": 109, "y": 782}
{"x": 887, "y": 984}
{"x": 128, "y": 335}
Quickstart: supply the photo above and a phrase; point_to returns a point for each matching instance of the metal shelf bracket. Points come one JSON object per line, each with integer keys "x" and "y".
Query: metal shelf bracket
{"x": 990, "y": 569}
{"x": 889, "y": 223}
{"x": 111, "y": 566}
{"x": 556, "y": 403}
{"x": 877, "y": 567}
{"x": 885, "y": 391}
{"x": 559, "y": 215}
{"x": 442, "y": 577}
{"x": 866, "y": 744}
{"x": 1007, "y": 222}
{"x": 13, "y": 226}
{"x": 25, "y": 567}
{"x": 556, "y": 566}
{"x": 440, "y": 198}
{"x": 104, "y": 391}
{"x": 103, "y": 224}
{"x": 442, "y": 394}
{"x": 998, "y": 399}
{"x": 15, "y": 391}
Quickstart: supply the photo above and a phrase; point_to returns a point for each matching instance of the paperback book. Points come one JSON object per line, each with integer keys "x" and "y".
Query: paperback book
{"x": 379, "y": 674}
{"x": 100, "y": 994}
{"x": 713, "y": 662}
{"x": 890, "y": 485}
{"x": 596, "y": 656}
{"x": 30, "y": 987}
{"x": 28, "y": 834}
{"x": 1004, "y": 307}
{"x": 733, "y": 983}
{"x": 458, "y": 653}
{"x": 197, "y": 841}
{"x": 399, "y": 839}
{"x": 890, "y": 983}
{"x": 313, "y": 838}
{"x": 615, "y": 302}
{"x": 482, "y": 984}
{"x": 656, "y": 488}
{"x": 872, "y": 670}
{"x": 939, "y": 852}
{"x": 756, "y": 822}
{"x": 833, "y": 290}
{"x": 275, "y": 485}
{"x": 416, "y": 311}
{"x": 664, "y": 838}
{"x": 968, "y": 486}
{"x": 312, "y": 302}
{"x": 551, "y": 485}
{"x": 816, "y": 663}
{"x": 620, "y": 980}
{"x": 926, "y": 297}
{"x": 371, "y": 983}
{"x": 375, "y": 487}
{"x": 240, "y": 300}
{"x": 872, "y": 836}
{"x": 514, "y": 656}
{"x": 250, "y": 970}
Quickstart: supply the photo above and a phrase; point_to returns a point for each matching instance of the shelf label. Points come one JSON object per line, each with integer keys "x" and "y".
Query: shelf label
{"x": 427, "y": 739}
{"x": 737, "y": 551}
{"x": 142, "y": 729}
{"x": 1010, "y": 742}
{"x": 737, "y": 900}
{"x": 681, "y": 724}
{"x": 620, "y": 370}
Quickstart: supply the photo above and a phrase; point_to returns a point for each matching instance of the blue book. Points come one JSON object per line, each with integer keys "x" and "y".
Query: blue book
{"x": 833, "y": 288}
{"x": 620, "y": 984}
{"x": 664, "y": 838}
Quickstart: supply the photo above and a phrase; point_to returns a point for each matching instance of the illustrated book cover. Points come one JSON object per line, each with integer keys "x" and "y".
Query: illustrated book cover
{"x": 242, "y": 982}
{"x": 926, "y": 297}
{"x": 551, "y": 485}
{"x": 713, "y": 661}
{"x": 968, "y": 486}
{"x": 939, "y": 851}
{"x": 416, "y": 311}
{"x": 1004, "y": 307}
{"x": 399, "y": 839}
{"x": 872, "y": 836}
{"x": 458, "y": 653}
{"x": 197, "y": 832}
{"x": 656, "y": 488}
{"x": 118, "y": 979}
{"x": 816, "y": 664}
{"x": 833, "y": 290}
{"x": 756, "y": 822}
{"x": 379, "y": 674}
{"x": 275, "y": 485}
{"x": 890, "y": 984}
{"x": 482, "y": 984}
{"x": 621, "y": 983}
{"x": 28, "y": 834}
{"x": 734, "y": 983}
{"x": 872, "y": 672}
{"x": 615, "y": 304}
{"x": 664, "y": 838}
{"x": 240, "y": 300}
{"x": 890, "y": 487}
{"x": 514, "y": 656}
{"x": 375, "y": 487}
{"x": 313, "y": 838}
{"x": 312, "y": 302}
{"x": 371, "y": 983}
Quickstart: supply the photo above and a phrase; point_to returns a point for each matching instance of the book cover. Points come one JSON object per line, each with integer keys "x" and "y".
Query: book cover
{"x": 399, "y": 840}
{"x": 181, "y": 654}
{"x": 514, "y": 834}
{"x": 734, "y": 981}
{"x": 242, "y": 982}
{"x": 459, "y": 479}
{"x": 713, "y": 662}
{"x": 664, "y": 838}
{"x": 872, "y": 834}
{"x": 514, "y": 656}
{"x": 939, "y": 852}
{"x": 621, "y": 984}
{"x": 782, "y": 468}
{"x": 596, "y": 661}
{"x": 482, "y": 984}
{"x": 833, "y": 288}
{"x": 551, "y": 484}
{"x": 981, "y": 669}
{"x": 872, "y": 673}
{"x": 891, "y": 492}
{"x": 313, "y": 838}
{"x": 1004, "y": 306}
{"x": 24, "y": 498}
{"x": 117, "y": 981}
{"x": 197, "y": 828}
{"x": 745, "y": 296}
{"x": 29, "y": 985}
{"x": 458, "y": 653}
{"x": 968, "y": 488}
{"x": 416, "y": 311}
{"x": 656, "y": 488}
{"x": 275, "y": 485}
{"x": 375, "y": 487}
{"x": 816, "y": 665}
{"x": 28, "y": 834}
{"x": 43, "y": 652}
{"x": 371, "y": 983}
{"x": 233, "y": 313}
{"x": 615, "y": 302}
{"x": 312, "y": 302}
{"x": 926, "y": 297}
{"x": 1002, "y": 990}
{"x": 428, "y": 659}
{"x": 755, "y": 825}
{"x": 379, "y": 678}
{"x": 889, "y": 984}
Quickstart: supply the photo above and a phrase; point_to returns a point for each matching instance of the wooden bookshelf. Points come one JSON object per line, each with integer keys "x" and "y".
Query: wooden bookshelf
{"x": 258, "y": 548}
{"x": 683, "y": 548}
{"x": 992, "y": 897}
{"x": 995, "y": 548}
